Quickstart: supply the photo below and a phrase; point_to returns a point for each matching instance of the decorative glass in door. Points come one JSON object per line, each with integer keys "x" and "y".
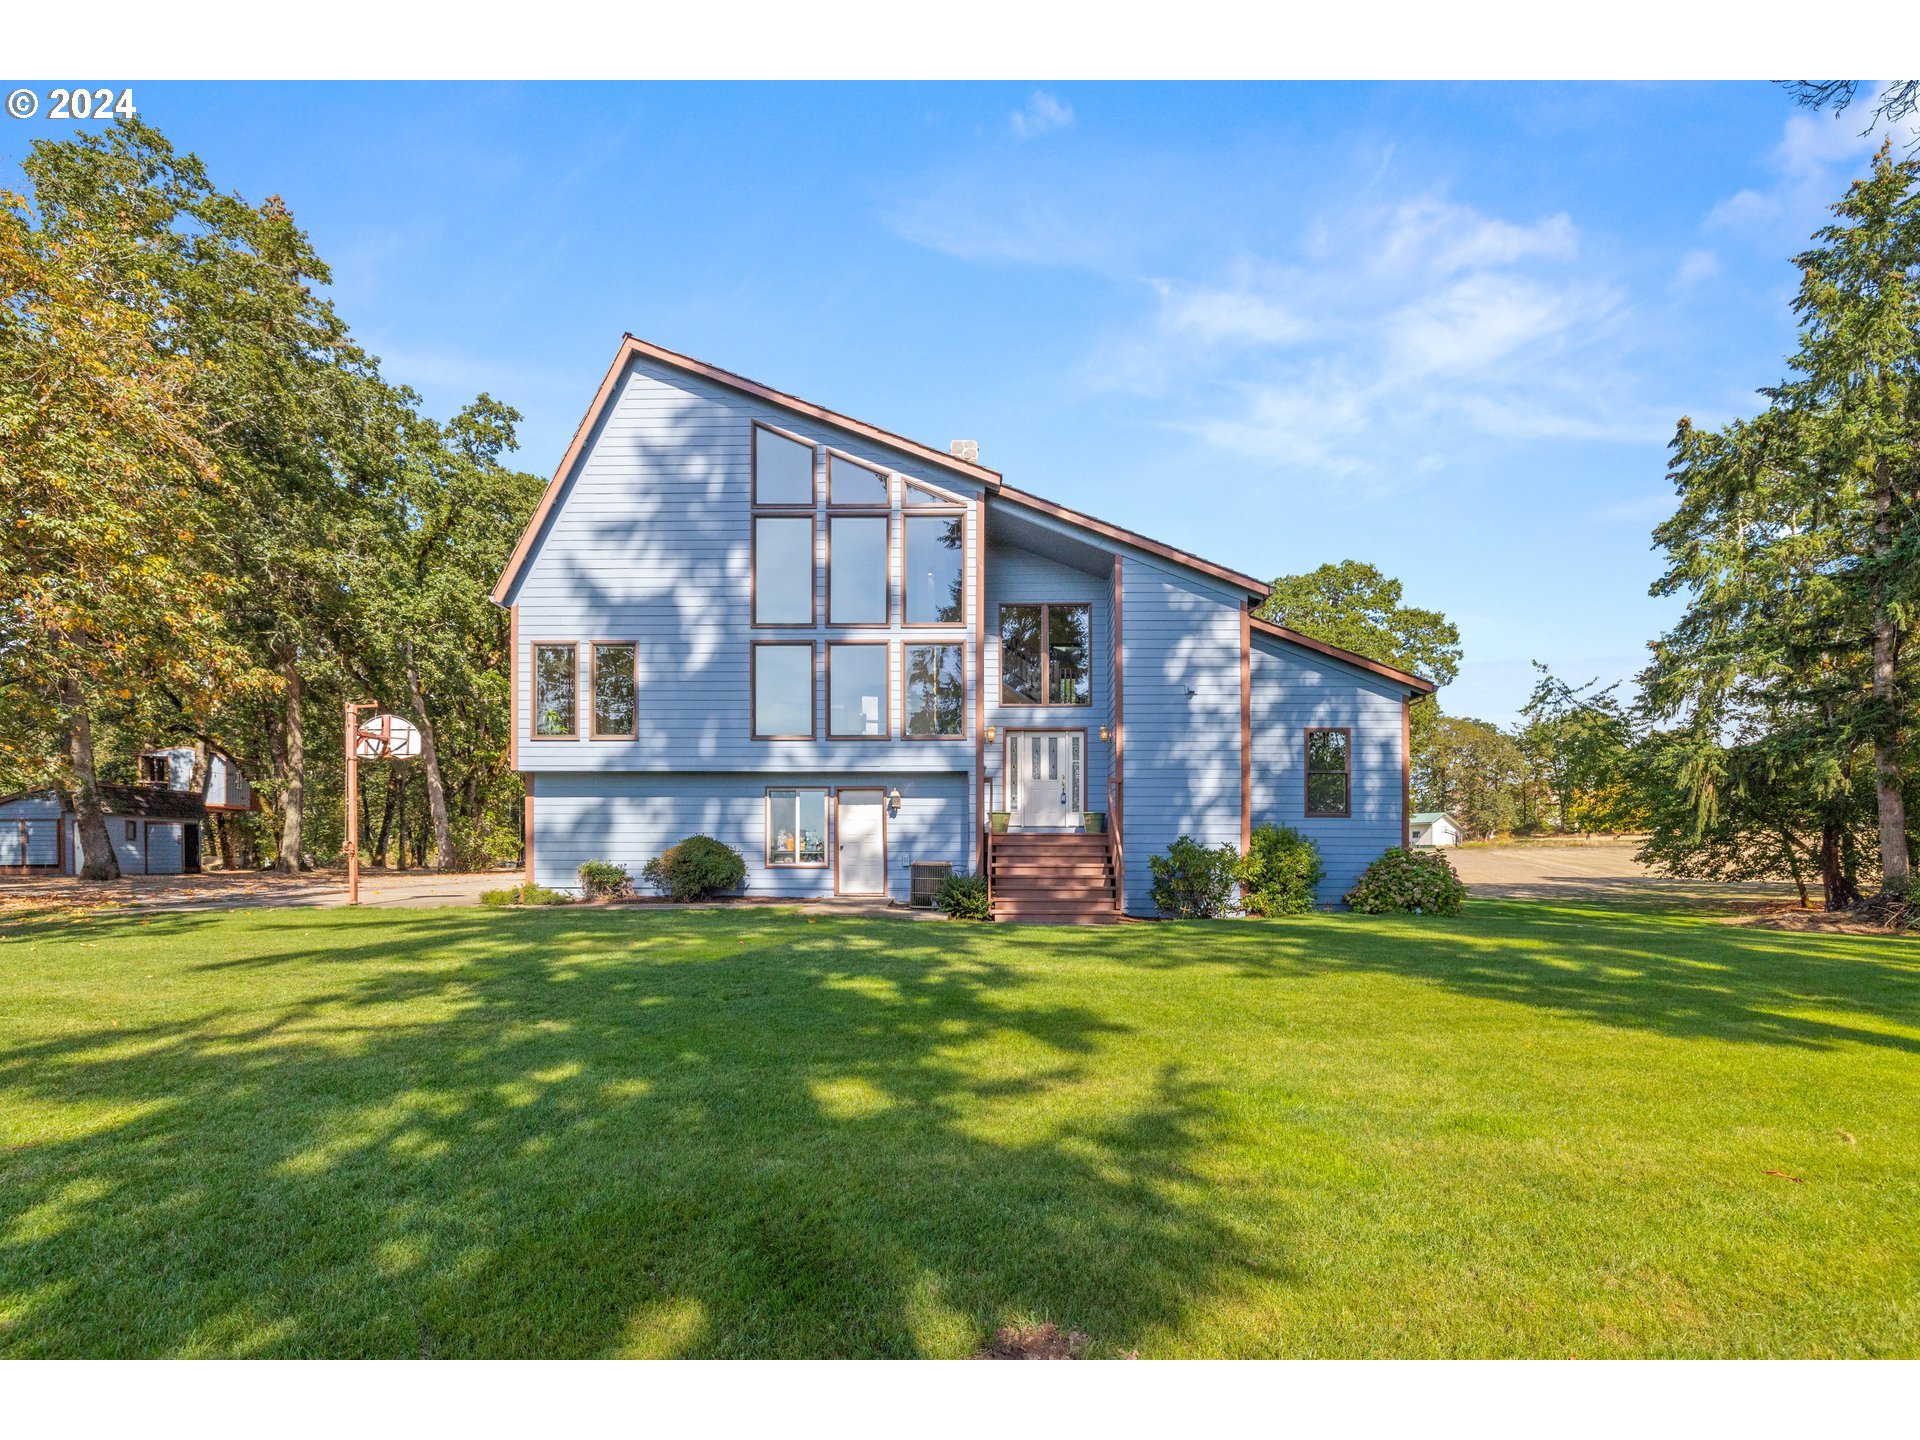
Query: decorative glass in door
{"x": 1045, "y": 779}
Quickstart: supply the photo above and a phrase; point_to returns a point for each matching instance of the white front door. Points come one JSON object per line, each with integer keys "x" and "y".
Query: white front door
{"x": 861, "y": 858}
{"x": 1046, "y": 779}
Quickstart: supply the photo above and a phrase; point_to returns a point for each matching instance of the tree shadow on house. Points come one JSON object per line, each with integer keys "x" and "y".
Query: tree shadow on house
{"x": 576, "y": 1135}
{"x": 1642, "y": 969}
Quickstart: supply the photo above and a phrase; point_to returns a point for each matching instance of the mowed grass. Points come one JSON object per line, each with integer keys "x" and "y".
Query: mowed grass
{"x": 1533, "y": 1130}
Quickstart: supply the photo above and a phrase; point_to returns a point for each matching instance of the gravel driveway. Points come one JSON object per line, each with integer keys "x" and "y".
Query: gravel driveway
{"x": 1596, "y": 870}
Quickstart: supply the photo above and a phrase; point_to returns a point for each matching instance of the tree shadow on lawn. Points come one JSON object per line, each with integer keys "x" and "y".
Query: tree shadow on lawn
{"x": 576, "y": 1135}
{"x": 1672, "y": 973}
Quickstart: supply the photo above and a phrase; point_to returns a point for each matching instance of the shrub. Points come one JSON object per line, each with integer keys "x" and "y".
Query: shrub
{"x": 525, "y": 893}
{"x": 1194, "y": 882}
{"x": 964, "y": 897}
{"x": 1418, "y": 881}
{"x": 1279, "y": 872}
{"x": 697, "y": 867}
{"x": 604, "y": 880}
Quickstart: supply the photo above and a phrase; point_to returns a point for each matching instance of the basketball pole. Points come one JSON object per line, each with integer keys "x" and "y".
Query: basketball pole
{"x": 353, "y": 800}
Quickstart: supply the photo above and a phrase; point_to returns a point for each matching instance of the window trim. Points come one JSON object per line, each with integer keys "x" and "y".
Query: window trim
{"x": 886, "y": 704}
{"x": 909, "y": 483}
{"x": 753, "y": 470}
{"x": 766, "y": 838}
{"x": 594, "y": 647}
{"x": 534, "y": 647}
{"x": 1307, "y": 772}
{"x": 927, "y": 512}
{"x": 1046, "y": 654}
{"x": 132, "y": 832}
{"x": 855, "y": 506}
{"x": 886, "y": 621}
{"x": 754, "y": 621}
{"x": 921, "y": 642}
{"x": 753, "y": 687}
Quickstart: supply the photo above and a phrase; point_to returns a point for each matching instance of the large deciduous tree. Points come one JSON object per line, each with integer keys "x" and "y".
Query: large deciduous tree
{"x": 110, "y": 584}
{"x": 1353, "y": 605}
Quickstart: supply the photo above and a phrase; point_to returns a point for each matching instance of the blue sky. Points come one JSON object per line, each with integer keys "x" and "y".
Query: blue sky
{"x": 1443, "y": 328}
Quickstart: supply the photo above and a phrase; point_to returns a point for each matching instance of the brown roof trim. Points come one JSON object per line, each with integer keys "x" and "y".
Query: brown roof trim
{"x": 1307, "y": 642}
{"x": 1135, "y": 539}
{"x": 630, "y": 346}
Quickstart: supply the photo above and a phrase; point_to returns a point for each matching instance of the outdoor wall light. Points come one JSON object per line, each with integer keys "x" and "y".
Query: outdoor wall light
{"x": 1105, "y": 733}
{"x": 989, "y": 734}
{"x": 893, "y": 801}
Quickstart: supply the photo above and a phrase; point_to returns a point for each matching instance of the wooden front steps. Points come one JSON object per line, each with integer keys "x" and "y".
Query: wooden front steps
{"x": 1044, "y": 878}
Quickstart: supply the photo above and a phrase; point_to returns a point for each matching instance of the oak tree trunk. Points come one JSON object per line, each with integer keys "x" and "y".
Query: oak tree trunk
{"x": 102, "y": 863}
{"x": 430, "y": 763}
{"x": 290, "y": 771}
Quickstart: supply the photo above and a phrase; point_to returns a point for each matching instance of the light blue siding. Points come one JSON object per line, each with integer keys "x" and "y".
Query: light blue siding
{"x": 1180, "y": 635}
{"x": 1295, "y": 690}
{"x": 629, "y": 819}
{"x": 1017, "y": 576}
{"x": 649, "y": 543}
{"x": 30, "y": 830}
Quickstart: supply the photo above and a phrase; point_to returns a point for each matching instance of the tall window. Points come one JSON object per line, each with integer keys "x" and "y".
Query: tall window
{"x": 615, "y": 697}
{"x": 936, "y": 690}
{"x": 796, "y": 827}
{"x": 1069, "y": 654}
{"x": 857, "y": 570}
{"x": 782, "y": 469}
{"x": 1329, "y": 772}
{"x": 857, "y": 692}
{"x": 934, "y": 569}
{"x": 555, "y": 702}
{"x": 851, "y": 483}
{"x": 783, "y": 569}
{"x": 783, "y": 692}
{"x": 1046, "y": 654}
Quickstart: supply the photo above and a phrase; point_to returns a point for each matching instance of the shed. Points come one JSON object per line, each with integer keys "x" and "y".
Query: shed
{"x": 1433, "y": 829}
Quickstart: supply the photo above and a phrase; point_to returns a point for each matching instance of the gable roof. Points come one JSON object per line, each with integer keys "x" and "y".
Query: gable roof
{"x": 632, "y": 346}
{"x": 1428, "y": 817}
{"x": 116, "y": 800}
{"x": 1419, "y": 684}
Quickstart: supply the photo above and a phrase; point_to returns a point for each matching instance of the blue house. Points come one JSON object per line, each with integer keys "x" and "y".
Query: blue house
{"x": 843, "y": 652}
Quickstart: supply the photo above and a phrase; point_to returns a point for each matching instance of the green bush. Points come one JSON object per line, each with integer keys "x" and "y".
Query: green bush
{"x": 1279, "y": 872}
{"x": 964, "y": 897}
{"x": 604, "y": 880}
{"x": 1420, "y": 882}
{"x": 525, "y": 893}
{"x": 697, "y": 867}
{"x": 1194, "y": 882}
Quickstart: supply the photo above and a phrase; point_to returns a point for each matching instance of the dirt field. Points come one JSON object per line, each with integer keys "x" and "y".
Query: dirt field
{"x": 1603, "y": 870}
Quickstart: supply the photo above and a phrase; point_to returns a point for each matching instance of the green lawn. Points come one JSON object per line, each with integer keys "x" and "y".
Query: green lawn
{"x": 1535, "y": 1130}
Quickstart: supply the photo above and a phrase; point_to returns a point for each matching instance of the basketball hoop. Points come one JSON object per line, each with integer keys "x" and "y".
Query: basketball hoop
{"x": 386, "y": 737}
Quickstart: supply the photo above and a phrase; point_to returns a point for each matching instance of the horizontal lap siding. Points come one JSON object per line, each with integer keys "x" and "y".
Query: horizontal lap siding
{"x": 1017, "y": 576}
{"x": 1294, "y": 691}
{"x": 1179, "y": 633}
{"x": 649, "y": 543}
{"x": 630, "y": 819}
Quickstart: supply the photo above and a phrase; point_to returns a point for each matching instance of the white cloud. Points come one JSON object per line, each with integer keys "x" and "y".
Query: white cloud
{"x": 1695, "y": 266}
{"x": 1815, "y": 156}
{"x": 1042, "y": 114}
{"x": 1383, "y": 357}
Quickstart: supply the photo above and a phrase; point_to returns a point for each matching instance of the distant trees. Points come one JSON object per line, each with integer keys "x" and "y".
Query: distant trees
{"x": 231, "y": 521}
